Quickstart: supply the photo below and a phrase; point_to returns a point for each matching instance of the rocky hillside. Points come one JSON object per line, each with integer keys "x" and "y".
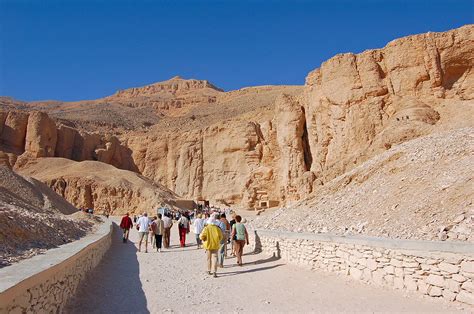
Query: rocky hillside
{"x": 34, "y": 218}
{"x": 263, "y": 144}
{"x": 421, "y": 189}
{"x": 92, "y": 184}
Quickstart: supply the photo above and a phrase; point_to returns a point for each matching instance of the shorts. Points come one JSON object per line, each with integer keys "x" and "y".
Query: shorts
{"x": 142, "y": 234}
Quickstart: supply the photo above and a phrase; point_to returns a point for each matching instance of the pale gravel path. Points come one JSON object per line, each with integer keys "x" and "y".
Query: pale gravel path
{"x": 176, "y": 281}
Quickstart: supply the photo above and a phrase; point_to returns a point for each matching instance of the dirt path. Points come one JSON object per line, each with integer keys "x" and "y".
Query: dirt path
{"x": 176, "y": 281}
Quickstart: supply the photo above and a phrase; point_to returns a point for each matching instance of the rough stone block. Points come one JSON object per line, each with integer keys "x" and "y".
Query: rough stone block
{"x": 449, "y": 295}
{"x": 465, "y": 297}
{"x": 468, "y": 285}
{"x": 452, "y": 285}
{"x": 423, "y": 287}
{"x": 467, "y": 266}
{"x": 459, "y": 278}
{"x": 371, "y": 264}
{"x": 449, "y": 268}
{"x": 435, "y": 291}
{"x": 389, "y": 269}
{"x": 435, "y": 280}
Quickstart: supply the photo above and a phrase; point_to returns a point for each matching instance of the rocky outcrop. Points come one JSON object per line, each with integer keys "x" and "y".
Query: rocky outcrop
{"x": 296, "y": 158}
{"x": 359, "y": 105}
{"x": 175, "y": 85}
{"x": 41, "y": 135}
{"x": 12, "y": 138}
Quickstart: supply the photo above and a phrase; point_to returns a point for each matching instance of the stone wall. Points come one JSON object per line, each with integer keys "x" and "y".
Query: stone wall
{"x": 44, "y": 283}
{"x": 437, "y": 269}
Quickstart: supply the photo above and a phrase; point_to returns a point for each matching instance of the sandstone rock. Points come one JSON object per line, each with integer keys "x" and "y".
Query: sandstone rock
{"x": 4, "y": 160}
{"x": 449, "y": 268}
{"x": 65, "y": 142}
{"x": 41, "y": 135}
{"x": 14, "y": 132}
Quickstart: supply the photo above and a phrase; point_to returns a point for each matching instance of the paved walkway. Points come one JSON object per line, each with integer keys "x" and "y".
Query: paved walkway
{"x": 176, "y": 281}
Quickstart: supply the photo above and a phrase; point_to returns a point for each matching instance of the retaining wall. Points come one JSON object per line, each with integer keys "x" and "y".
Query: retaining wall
{"x": 437, "y": 269}
{"x": 44, "y": 283}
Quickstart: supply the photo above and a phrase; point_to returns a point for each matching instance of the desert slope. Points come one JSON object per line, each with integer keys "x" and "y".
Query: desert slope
{"x": 98, "y": 185}
{"x": 33, "y": 218}
{"x": 421, "y": 189}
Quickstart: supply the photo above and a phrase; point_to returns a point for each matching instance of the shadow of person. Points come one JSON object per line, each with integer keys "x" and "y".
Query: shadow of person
{"x": 233, "y": 273}
{"x": 114, "y": 286}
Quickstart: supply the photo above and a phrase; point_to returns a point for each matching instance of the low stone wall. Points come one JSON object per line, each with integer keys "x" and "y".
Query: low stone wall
{"x": 44, "y": 283}
{"x": 437, "y": 269}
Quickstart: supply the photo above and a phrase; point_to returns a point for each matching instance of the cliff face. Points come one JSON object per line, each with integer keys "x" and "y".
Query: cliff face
{"x": 358, "y": 105}
{"x": 274, "y": 144}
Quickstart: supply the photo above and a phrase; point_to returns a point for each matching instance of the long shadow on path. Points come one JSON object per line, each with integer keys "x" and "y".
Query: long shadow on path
{"x": 114, "y": 286}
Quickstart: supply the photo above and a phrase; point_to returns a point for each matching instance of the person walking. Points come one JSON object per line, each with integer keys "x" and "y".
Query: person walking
{"x": 198, "y": 226}
{"x": 167, "y": 223}
{"x": 126, "y": 224}
{"x": 183, "y": 228}
{"x": 158, "y": 228}
{"x": 212, "y": 237}
{"x": 143, "y": 225}
{"x": 223, "y": 248}
{"x": 232, "y": 240}
{"x": 151, "y": 233}
{"x": 241, "y": 238}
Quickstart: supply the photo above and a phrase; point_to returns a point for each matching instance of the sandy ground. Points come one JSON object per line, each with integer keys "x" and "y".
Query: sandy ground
{"x": 176, "y": 281}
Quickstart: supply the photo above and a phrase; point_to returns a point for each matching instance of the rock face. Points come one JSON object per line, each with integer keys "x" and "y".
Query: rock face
{"x": 41, "y": 135}
{"x": 279, "y": 149}
{"x": 358, "y": 105}
{"x": 14, "y": 132}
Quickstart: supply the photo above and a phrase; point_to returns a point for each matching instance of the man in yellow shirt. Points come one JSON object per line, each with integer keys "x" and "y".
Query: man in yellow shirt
{"x": 212, "y": 236}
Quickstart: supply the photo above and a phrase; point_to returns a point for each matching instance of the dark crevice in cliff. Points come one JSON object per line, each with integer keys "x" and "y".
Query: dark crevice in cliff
{"x": 308, "y": 157}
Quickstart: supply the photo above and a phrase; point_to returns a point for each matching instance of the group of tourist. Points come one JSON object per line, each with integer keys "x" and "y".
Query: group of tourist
{"x": 213, "y": 232}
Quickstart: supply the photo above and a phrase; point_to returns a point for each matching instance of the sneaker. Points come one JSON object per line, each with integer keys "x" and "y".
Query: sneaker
{"x": 209, "y": 273}
{"x": 215, "y": 275}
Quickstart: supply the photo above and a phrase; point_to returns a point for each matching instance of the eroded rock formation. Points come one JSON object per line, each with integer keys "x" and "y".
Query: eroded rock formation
{"x": 275, "y": 150}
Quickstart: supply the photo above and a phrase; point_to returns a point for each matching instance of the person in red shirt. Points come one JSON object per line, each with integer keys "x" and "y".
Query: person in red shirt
{"x": 126, "y": 224}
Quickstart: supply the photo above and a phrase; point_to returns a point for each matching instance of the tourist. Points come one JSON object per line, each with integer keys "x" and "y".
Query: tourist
{"x": 158, "y": 227}
{"x": 143, "y": 225}
{"x": 241, "y": 238}
{"x": 226, "y": 234}
{"x": 198, "y": 226}
{"x": 151, "y": 233}
{"x": 183, "y": 228}
{"x": 212, "y": 237}
{"x": 232, "y": 239}
{"x": 167, "y": 224}
{"x": 126, "y": 224}
{"x": 134, "y": 219}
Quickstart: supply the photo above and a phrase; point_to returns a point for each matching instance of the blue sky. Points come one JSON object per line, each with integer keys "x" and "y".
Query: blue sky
{"x": 73, "y": 50}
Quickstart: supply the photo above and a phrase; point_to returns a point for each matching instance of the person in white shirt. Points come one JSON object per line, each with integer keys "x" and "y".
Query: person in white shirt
{"x": 198, "y": 226}
{"x": 143, "y": 226}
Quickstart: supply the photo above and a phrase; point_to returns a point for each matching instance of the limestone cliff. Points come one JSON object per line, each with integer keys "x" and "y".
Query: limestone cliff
{"x": 268, "y": 145}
